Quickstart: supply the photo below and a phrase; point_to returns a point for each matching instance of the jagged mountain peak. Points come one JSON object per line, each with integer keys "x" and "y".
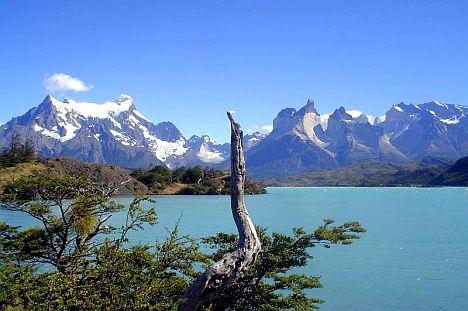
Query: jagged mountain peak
{"x": 91, "y": 110}
{"x": 401, "y": 112}
{"x": 288, "y": 119}
{"x": 446, "y": 113}
{"x": 286, "y": 112}
{"x": 123, "y": 98}
{"x": 407, "y": 108}
{"x": 341, "y": 114}
{"x": 49, "y": 98}
{"x": 202, "y": 138}
{"x": 308, "y": 108}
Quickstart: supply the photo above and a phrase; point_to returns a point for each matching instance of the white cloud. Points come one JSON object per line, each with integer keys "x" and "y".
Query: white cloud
{"x": 60, "y": 82}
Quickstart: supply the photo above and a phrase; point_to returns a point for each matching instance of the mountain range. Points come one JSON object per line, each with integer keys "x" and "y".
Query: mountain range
{"x": 301, "y": 140}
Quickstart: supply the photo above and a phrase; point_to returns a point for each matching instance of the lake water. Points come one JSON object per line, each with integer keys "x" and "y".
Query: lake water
{"x": 414, "y": 255}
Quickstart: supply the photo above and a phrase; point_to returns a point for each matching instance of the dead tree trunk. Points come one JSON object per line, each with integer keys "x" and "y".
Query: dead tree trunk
{"x": 228, "y": 269}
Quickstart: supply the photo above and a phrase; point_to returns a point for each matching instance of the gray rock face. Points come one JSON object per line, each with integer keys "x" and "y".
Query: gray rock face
{"x": 295, "y": 145}
{"x": 430, "y": 129}
{"x": 356, "y": 139}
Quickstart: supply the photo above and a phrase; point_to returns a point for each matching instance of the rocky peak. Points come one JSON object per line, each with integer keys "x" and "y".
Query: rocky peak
{"x": 286, "y": 113}
{"x": 379, "y": 120}
{"x": 48, "y": 99}
{"x": 167, "y": 131}
{"x": 308, "y": 108}
{"x": 301, "y": 121}
{"x": 338, "y": 122}
{"x": 340, "y": 114}
{"x": 207, "y": 150}
{"x": 446, "y": 113}
{"x": 123, "y": 98}
{"x": 193, "y": 139}
{"x": 284, "y": 120}
{"x": 362, "y": 119}
{"x": 401, "y": 112}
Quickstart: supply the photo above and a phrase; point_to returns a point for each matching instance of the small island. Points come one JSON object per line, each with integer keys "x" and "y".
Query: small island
{"x": 191, "y": 181}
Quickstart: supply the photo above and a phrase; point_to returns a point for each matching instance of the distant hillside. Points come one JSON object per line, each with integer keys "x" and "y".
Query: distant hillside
{"x": 369, "y": 174}
{"x": 457, "y": 175}
{"x": 114, "y": 176}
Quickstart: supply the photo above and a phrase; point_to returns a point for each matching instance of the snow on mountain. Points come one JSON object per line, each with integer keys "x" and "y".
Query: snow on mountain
{"x": 70, "y": 115}
{"x": 253, "y": 139}
{"x": 354, "y": 113}
{"x": 93, "y": 110}
{"x": 112, "y": 132}
{"x": 406, "y": 132}
{"x": 115, "y": 132}
{"x": 208, "y": 150}
{"x": 446, "y": 113}
{"x": 324, "y": 120}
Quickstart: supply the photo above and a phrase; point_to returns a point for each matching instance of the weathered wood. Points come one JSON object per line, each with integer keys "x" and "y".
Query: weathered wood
{"x": 228, "y": 269}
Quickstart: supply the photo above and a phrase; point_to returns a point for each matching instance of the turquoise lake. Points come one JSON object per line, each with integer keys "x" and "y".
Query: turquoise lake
{"x": 414, "y": 255}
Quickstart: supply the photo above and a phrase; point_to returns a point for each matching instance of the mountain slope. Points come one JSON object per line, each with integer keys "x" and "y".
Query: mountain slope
{"x": 457, "y": 175}
{"x": 111, "y": 176}
{"x": 368, "y": 174}
{"x": 113, "y": 132}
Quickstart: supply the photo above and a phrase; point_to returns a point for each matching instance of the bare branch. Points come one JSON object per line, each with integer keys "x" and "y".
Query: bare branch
{"x": 229, "y": 269}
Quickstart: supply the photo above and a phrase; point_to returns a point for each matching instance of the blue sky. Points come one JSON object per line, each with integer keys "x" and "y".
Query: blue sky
{"x": 190, "y": 61}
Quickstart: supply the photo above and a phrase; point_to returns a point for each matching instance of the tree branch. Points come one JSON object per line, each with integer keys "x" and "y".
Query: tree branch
{"x": 229, "y": 269}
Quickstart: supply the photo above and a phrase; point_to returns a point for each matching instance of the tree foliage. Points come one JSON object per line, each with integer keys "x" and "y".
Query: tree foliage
{"x": 19, "y": 151}
{"x": 270, "y": 284}
{"x": 75, "y": 260}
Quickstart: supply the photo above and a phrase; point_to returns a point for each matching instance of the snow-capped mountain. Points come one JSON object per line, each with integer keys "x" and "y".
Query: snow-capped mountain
{"x": 113, "y": 132}
{"x": 207, "y": 150}
{"x": 303, "y": 140}
{"x": 251, "y": 140}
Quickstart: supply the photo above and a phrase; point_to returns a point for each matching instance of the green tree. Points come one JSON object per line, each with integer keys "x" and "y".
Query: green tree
{"x": 74, "y": 260}
{"x": 19, "y": 151}
{"x": 72, "y": 211}
{"x": 193, "y": 175}
{"x": 83, "y": 271}
{"x": 178, "y": 173}
{"x": 270, "y": 285}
